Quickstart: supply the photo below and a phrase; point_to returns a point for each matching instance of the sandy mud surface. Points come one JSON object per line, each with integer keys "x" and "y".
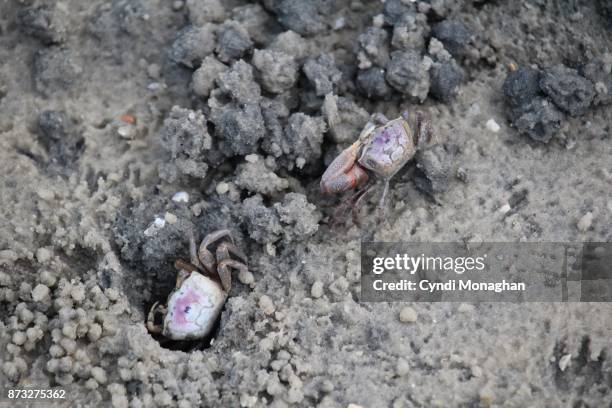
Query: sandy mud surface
{"x": 126, "y": 124}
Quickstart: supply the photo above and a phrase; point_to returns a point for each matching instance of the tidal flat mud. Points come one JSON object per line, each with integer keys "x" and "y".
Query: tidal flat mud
{"x": 124, "y": 125}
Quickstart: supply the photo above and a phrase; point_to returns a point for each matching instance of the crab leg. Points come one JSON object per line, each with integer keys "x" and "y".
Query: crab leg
{"x": 151, "y": 326}
{"x": 381, "y": 203}
{"x": 225, "y": 274}
{"x": 225, "y": 248}
{"x": 421, "y": 126}
{"x": 425, "y": 133}
{"x": 349, "y": 203}
{"x": 193, "y": 253}
{"x": 379, "y": 119}
{"x": 204, "y": 255}
{"x": 358, "y": 203}
{"x": 184, "y": 266}
{"x": 223, "y": 263}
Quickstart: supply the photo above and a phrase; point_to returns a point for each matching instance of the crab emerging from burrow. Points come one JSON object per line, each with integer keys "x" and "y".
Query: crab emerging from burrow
{"x": 382, "y": 149}
{"x": 202, "y": 287}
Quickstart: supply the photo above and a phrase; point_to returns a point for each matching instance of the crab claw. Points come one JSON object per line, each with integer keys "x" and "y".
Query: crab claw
{"x": 344, "y": 173}
{"x": 151, "y": 326}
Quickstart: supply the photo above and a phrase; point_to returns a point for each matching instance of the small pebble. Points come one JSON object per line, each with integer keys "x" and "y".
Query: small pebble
{"x": 248, "y": 400}
{"x": 43, "y": 255}
{"x": 421, "y": 213}
{"x": 112, "y": 294}
{"x": 476, "y": 371}
{"x": 163, "y": 399}
{"x": 47, "y": 278}
{"x": 95, "y": 331}
{"x": 423, "y": 7}
{"x": 126, "y": 132}
{"x": 91, "y": 384}
{"x": 505, "y": 208}
{"x": 266, "y": 304}
{"x": 69, "y": 330}
{"x": 121, "y": 401}
{"x": 339, "y": 23}
{"x": 10, "y": 370}
{"x": 5, "y": 279}
{"x": 222, "y": 188}
{"x": 98, "y": 374}
{"x": 270, "y": 249}
{"x": 185, "y": 403}
{"x": 246, "y": 277}
{"x": 251, "y": 158}
{"x": 34, "y": 334}
{"x": 21, "y": 365}
{"x": 378, "y": 20}
{"x": 25, "y": 289}
{"x": 155, "y": 226}
{"x": 181, "y": 197}
{"x": 463, "y": 174}
{"x": 466, "y": 308}
{"x": 154, "y": 86}
{"x": 56, "y": 351}
{"x": 564, "y": 362}
{"x": 585, "y": 222}
{"x": 492, "y": 126}
{"x": 317, "y": 289}
{"x": 170, "y": 218}
{"x": 402, "y": 367}
{"x": 486, "y": 397}
{"x": 47, "y": 195}
{"x": 8, "y": 255}
{"x": 408, "y": 315}
{"x": 68, "y": 345}
{"x": 19, "y": 338}
{"x": 78, "y": 293}
{"x": 40, "y": 293}
{"x": 153, "y": 70}
{"x": 25, "y": 315}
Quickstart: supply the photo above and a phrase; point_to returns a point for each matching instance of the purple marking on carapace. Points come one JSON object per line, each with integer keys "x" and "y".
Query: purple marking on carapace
{"x": 385, "y": 141}
{"x": 184, "y": 302}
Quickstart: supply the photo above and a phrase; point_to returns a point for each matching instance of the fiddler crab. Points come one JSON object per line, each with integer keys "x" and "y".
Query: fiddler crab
{"x": 202, "y": 287}
{"x": 382, "y": 149}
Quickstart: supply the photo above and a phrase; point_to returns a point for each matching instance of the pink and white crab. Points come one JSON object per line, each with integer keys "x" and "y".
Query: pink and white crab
{"x": 382, "y": 149}
{"x": 202, "y": 287}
